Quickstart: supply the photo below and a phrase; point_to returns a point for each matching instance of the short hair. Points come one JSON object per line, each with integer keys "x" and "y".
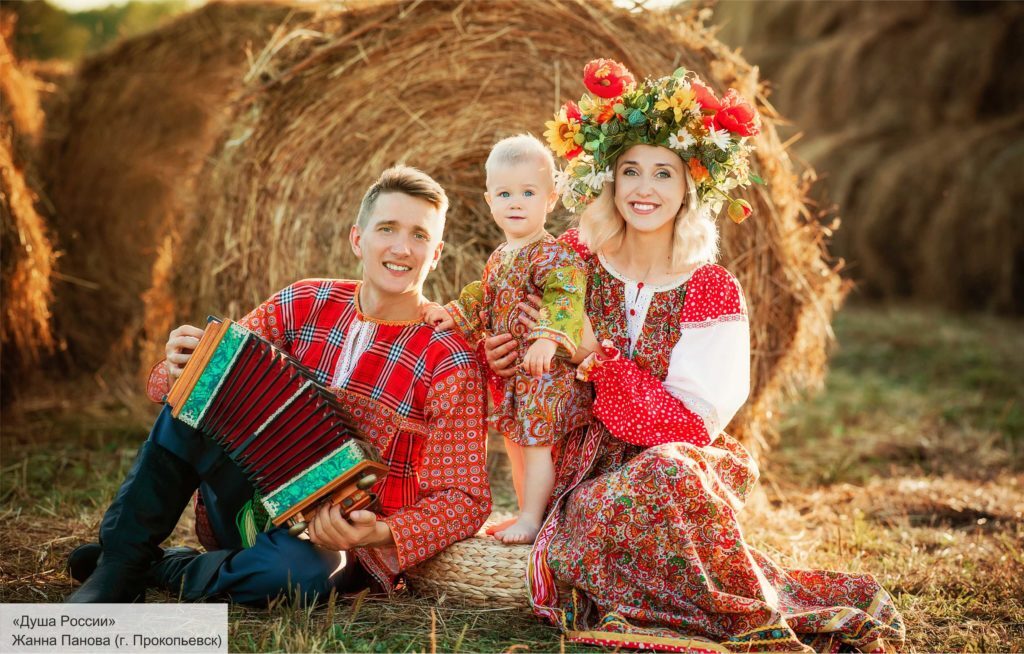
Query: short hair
{"x": 518, "y": 149}
{"x": 694, "y": 233}
{"x": 403, "y": 179}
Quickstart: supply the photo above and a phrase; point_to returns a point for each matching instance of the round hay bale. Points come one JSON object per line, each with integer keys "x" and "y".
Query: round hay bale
{"x": 901, "y": 130}
{"x": 477, "y": 570}
{"x": 329, "y": 105}
{"x": 28, "y": 257}
{"x": 141, "y": 117}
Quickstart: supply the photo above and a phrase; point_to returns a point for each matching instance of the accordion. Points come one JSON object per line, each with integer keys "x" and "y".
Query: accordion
{"x": 288, "y": 433}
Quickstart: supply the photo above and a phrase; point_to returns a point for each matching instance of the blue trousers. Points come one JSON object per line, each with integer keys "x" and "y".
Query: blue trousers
{"x": 277, "y": 564}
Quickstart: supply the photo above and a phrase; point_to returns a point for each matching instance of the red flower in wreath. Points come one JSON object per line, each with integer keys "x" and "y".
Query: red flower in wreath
{"x": 705, "y": 97}
{"x": 606, "y": 78}
{"x": 737, "y": 116}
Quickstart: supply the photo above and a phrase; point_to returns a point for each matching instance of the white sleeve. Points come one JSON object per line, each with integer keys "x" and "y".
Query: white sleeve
{"x": 709, "y": 369}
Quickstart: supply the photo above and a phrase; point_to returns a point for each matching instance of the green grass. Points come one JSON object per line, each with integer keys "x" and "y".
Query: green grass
{"x": 907, "y": 466}
{"x": 911, "y": 392}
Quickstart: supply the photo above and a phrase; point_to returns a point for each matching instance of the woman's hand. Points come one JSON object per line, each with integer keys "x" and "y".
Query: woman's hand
{"x": 332, "y": 531}
{"x": 605, "y": 352}
{"x": 588, "y": 342}
{"x": 529, "y": 312}
{"x": 181, "y": 342}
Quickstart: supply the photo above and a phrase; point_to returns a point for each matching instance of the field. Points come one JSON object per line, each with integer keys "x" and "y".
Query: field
{"x": 909, "y": 464}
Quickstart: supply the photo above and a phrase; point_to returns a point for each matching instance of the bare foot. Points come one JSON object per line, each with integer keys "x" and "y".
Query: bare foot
{"x": 490, "y": 531}
{"x": 523, "y": 531}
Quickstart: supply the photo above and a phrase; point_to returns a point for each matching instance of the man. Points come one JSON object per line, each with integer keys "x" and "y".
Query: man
{"x": 416, "y": 395}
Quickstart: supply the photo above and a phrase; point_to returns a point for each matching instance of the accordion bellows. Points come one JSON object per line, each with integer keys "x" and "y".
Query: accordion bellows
{"x": 288, "y": 433}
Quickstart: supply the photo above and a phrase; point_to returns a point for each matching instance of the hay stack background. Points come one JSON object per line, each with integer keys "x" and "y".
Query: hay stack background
{"x": 202, "y": 178}
{"x": 27, "y": 252}
{"x": 434, "y": 85}
{"x": 914, "y": 114}
{"x": 141, "y": 118}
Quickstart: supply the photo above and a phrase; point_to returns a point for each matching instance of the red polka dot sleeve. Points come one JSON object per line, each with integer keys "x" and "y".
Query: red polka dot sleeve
{"x": 637, "y": 409}
{"x": 571, "y": 237}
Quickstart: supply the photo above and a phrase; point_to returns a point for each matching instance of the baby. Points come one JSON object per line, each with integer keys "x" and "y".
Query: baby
{"x": 543, "y": 400}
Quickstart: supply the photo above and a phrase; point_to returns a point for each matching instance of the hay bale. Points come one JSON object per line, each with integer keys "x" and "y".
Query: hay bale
{"x": 434, "y": 85}
{"x": 28, "y": 256}
{"x": 141, "y": 117}
{"x": 912, "y": 112}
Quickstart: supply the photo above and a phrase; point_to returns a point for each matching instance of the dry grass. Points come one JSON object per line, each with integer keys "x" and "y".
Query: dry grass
{"x": 907, "y": 466}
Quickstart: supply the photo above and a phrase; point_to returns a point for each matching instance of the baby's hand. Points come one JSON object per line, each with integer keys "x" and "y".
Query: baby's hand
{"x": 538, "y": 357}
{"x": 435, "y": 315}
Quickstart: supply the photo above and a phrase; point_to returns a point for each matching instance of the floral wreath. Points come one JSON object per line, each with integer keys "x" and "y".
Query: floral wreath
{"x": 711, "y": 135}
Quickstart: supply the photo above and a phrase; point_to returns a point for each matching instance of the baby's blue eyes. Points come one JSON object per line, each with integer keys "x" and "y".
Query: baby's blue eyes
{"x": 506, "y": 195}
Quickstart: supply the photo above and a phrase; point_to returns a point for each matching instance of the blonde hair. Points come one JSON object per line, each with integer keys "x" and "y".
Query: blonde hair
{"x": 403, "y": 179}
{"x": 519, "y": 149}
{"x": 694, "y": 233}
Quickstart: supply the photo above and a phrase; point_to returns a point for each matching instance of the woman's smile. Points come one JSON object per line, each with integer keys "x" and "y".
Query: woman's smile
{"x": 644, "y": 208}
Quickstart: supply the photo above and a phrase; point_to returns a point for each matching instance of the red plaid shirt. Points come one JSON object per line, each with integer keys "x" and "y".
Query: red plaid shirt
{"x": 418, "y": 395}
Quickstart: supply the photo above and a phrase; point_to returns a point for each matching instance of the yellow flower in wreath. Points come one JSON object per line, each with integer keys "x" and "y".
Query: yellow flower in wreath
{"x": 681, "y": 100}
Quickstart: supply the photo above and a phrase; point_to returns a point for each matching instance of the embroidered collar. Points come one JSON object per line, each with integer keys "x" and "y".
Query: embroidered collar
{"x": 653, "y": 288}
{"x": 365, "y": 318}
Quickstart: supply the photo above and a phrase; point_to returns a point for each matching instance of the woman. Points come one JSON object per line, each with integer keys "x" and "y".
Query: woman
{"x": 641, "y": 547}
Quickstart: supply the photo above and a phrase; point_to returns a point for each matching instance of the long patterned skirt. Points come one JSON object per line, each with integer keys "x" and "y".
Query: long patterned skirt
{"x": 650, "y": 555}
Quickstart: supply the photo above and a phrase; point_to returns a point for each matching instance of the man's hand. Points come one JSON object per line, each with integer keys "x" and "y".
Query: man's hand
{"x": 538, "y": 357}
{"x": 180, "y": 344}
{"x": 501, "y": 351}
{"x": 332, "y": 531}
{"x": 436, "y": 316}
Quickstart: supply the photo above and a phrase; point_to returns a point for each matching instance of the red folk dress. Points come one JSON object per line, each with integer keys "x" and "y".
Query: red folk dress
{"x": 528, "y": 410}
{"x": 417, "y": 395}
{"x": 642, "y": 547}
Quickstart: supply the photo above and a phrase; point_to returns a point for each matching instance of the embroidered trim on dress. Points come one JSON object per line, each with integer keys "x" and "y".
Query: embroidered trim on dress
{"x": 729, "y": 317}
{"x": 656, "y": 288}
{"x": 701, "y": 407}
{"x": 357, "y": 342}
